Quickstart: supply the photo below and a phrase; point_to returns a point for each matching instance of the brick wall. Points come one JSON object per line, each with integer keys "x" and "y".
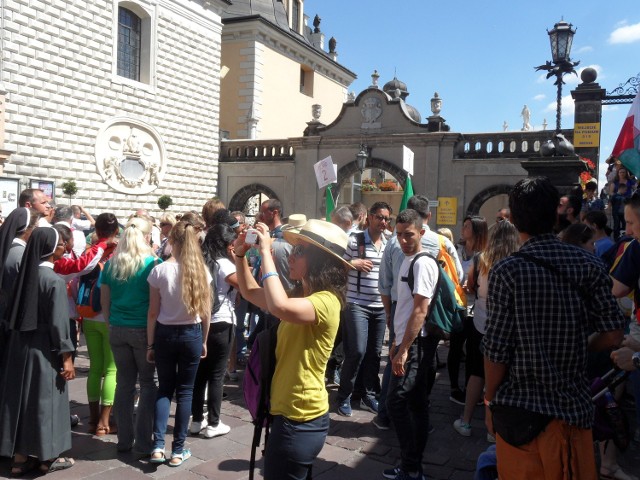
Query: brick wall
{"x": 57, "y": 71}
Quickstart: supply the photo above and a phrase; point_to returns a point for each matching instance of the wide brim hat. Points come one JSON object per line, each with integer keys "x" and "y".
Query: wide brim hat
{"x": 294, "y": 222}
{"x": 324, "y": 235}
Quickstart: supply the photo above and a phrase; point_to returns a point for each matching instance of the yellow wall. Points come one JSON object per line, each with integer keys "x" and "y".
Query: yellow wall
{"x": 282, "y": 110}
{"x": 285, "y": 110}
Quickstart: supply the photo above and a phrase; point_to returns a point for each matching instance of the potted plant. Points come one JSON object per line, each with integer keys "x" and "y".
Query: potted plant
{"x": 368, "y": 185}
{"x": 69, "y": 188}
{"x": 388, "y": 186}
{"x": 164, "y": 202}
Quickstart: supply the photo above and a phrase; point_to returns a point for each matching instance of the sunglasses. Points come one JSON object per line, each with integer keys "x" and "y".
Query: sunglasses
{"x": 298, "y": 250}
{"x": 382, "y": 218}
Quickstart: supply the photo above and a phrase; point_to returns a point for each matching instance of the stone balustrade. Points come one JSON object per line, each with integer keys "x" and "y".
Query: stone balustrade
{"x": 256, "y": 150}
{"x": 504, "y": 144}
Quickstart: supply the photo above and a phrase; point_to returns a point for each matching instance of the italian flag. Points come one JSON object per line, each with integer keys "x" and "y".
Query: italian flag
{"x": 627, "y": 148}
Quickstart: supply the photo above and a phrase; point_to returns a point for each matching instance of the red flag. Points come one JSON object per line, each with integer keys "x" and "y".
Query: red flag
{"x": 627, "y": 148}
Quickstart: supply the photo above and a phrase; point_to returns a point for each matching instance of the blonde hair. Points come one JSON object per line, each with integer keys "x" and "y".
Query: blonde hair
{"x": 503, "y": 241}
{"x": 445, "y": 232}
{"x": 168, "y": 218}
{"x": 196, "y": 291}
{"x": 132, "y": 249}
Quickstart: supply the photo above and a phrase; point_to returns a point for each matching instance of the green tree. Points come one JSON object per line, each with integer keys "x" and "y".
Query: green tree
{"x": 164, "y": 202}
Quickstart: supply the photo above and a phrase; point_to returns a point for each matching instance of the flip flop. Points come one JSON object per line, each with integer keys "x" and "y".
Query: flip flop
{"x": 60, "y": 463}
{"x": 181, "y": 457}
{"x": 29, "y": 464}
{"x": 160, "y": 459}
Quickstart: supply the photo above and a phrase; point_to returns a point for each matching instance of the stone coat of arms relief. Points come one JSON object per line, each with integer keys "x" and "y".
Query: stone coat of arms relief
{"x": 130, "y": 156}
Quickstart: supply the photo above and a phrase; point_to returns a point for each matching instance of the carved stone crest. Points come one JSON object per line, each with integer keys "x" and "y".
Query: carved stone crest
{"x": 130, "y": 156}
{"x": 371, "y": 111}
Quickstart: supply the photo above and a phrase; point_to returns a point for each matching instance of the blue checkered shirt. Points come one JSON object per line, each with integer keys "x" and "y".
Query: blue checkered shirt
{"x": 538, "y": 324}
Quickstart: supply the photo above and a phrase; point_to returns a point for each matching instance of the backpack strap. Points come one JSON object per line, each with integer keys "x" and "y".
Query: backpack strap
{"x": 410, "y": 278}
{"x": 362, "y": 252}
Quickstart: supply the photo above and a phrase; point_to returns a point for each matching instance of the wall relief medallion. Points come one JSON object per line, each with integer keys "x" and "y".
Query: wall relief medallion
{"x": 130, "y": 156}
{"x": 371, "y": 111}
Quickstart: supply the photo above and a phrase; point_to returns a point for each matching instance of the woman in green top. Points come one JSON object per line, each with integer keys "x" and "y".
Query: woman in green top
{"x": 309, "y": 322}
{"x": 125, "y": 300}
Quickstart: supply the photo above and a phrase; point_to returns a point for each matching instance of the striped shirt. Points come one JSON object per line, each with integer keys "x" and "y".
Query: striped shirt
{"x": 368, "y": 294}
{"x": 538, "y": 323}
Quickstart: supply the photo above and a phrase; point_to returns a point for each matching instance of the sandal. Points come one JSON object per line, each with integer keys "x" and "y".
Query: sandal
{"x": 180, "y": 458}
{"x": 18, "y": 469}
{"x": 159, "y": 459}
{"x": 101, "y": 431}
{"x": 60, "y": 463}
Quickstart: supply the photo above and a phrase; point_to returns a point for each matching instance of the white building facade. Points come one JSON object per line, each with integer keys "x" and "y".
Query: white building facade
{"x": 121, "y": 96}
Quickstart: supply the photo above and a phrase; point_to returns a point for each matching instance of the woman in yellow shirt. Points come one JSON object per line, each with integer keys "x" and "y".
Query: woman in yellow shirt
{"x": 309, "y": 322}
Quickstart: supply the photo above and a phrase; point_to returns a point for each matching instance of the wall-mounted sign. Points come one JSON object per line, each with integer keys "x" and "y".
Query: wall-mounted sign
{"x": 47, "y": 187}
{"x": 9, "y": 191}
{"x": 447, "y": 211}
{"x": 586, "y": 135}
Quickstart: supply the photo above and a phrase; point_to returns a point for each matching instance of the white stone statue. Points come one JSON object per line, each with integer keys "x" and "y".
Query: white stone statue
{"x": 316, "y": 111}
{"x": 526, "y": 117}
{"x": 505, "y": 126}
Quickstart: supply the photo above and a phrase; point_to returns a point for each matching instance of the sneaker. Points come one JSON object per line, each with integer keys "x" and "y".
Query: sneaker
{"x": 370, "y": 404}
{"x": 391, "y": 472}
{"x": 402, "y": 475}
{"x": 381, "y": 423}
{"x": 457, "y": 396}
{"x": 462, "y": 428}
{"x": 220, "y": 429}
{"x": 197, "y": 427}
{"x": 491, "y": 438}
{"x": 344, "y": 408}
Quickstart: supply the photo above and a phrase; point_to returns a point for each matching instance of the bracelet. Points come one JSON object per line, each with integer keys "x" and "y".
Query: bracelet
{"x": 486, "y": 402}
{"x": 151, "y": 347}
{"x": 239, "y": 256}
{"x": 269, "y": 274}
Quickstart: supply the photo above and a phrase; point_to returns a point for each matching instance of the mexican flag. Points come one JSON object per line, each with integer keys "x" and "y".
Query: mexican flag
{"x": 627, "y": 148}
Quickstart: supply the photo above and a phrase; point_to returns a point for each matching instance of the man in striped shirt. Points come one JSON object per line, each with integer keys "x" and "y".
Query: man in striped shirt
{"x": 365, "y": 322}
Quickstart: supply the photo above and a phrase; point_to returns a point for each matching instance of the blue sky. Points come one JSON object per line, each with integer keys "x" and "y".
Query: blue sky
{"x": 480, "y": 56}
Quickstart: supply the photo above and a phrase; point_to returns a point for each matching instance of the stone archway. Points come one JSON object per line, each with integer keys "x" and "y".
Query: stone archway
{"x": 486, "y": 194}
{"x": 239, "y": 200}
{"x": 351, "y": 168}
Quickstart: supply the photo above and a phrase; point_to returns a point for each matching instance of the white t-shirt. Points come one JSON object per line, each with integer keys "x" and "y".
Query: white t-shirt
{"x": 226, "y": 297}
{"x": 166, "y": 278}
{"x": 425, "y": 277}
{"x": 80, "y": 224}
{"x": 480, "y": 308}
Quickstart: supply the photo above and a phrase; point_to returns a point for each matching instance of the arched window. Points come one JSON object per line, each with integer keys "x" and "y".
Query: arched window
{"x": 129, "y": 44}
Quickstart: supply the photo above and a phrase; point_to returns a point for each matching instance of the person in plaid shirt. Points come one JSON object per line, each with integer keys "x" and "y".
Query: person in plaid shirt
{"x": 543, "y": 305}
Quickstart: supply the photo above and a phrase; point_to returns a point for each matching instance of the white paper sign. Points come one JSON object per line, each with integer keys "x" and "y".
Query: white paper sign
{"x": 325, "y": 172}
{"x": 407, "y": 159}
{"x": 335, "y": 172}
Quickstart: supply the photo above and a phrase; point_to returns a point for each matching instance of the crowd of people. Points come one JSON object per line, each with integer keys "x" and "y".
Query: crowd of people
{"x": 169, "y": 304}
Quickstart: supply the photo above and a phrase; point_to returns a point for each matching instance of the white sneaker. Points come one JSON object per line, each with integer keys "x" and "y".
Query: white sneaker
{"x": 221, "y": 429}
{"x": 462, "y": 428}
{"x": 197, "y": 427}
{"x": 491, "y": 438}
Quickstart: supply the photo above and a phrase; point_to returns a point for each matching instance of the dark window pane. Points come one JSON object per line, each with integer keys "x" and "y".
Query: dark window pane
{"x": 129, "y": 40}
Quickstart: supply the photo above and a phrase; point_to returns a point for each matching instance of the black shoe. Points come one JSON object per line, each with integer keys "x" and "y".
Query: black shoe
{"x": 75, "y": 420}
{"x": 457, "y": 396}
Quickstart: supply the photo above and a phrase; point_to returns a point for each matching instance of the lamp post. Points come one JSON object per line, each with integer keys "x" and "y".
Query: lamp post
{"x": 361, "y": 158}
{"x": 561, "y": 38}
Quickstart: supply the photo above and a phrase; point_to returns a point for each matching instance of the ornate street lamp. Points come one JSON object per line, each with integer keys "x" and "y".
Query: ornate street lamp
{"x": 362, "y": 157}
{"x": 561, "y": 38}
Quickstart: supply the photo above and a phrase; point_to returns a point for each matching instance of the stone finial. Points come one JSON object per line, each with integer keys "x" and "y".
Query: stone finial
{"x": 505, "y": 126}
{"x": 316, "y": 24}
{"x": 374, "y": 78}
{"x": 436, "y": 104}
{"x": 544, "y": 124}
{"x": 351, "y": 97}
{"x": 332, "y": 45}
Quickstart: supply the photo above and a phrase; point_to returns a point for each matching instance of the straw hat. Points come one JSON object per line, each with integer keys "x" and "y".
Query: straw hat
{"x": 294, "y": 222}
{"x": 324, "y": 235}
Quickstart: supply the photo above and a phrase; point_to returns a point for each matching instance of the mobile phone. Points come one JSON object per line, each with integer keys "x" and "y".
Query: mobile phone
{"x": 252, "y": 237}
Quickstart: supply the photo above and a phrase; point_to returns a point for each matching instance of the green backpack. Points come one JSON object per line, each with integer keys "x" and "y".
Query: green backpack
{"x": 445, "y": 314}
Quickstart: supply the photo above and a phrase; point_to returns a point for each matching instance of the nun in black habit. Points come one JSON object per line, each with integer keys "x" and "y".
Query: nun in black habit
{"x": 34, "y": 397}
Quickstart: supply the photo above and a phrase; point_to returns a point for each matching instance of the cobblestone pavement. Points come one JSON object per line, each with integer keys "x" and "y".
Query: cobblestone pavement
{"x": 355, "y": 449}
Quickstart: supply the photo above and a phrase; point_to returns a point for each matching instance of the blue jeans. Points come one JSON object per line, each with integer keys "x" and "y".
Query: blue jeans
{"x": 129, "y": 346}
{"x": 386, "y": 375}
{"x": 408, "y": 400}
{"x": 363, "y": 334}
{"x": 293, "y": 446}
{"x": 177, "y": 350}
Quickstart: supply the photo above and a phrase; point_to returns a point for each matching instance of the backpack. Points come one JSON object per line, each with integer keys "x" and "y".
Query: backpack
{"x": 445, "y": 314}
{"x": 449, "y": 267}
{"x": 88, "y": 299}
{"x": 215, "y": 304}
{"x": 256, "y": 385}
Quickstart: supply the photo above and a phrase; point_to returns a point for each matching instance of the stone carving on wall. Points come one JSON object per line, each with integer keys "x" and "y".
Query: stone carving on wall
{"x": 130, "y": 156}
{"x": 371, "y": 111}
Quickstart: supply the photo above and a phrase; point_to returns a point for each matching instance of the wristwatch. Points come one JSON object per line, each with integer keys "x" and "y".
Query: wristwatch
{"x": 636, "y": 360}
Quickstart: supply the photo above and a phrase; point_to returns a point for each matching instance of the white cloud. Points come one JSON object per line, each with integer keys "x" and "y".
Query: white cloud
{"x": 625, "y": 34}
{"x": 568, "y": 107}
{"x": 585, "y": 49}
{"x": 610, "y": 108}
{"x": 539, "y": 97}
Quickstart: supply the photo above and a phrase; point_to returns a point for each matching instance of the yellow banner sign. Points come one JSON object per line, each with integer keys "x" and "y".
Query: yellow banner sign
{"x": 586, "y": 135}
{"x": 447, "y": 211}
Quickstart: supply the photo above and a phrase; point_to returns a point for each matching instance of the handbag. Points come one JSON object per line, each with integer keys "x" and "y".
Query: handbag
{"x": 516, "y": 425}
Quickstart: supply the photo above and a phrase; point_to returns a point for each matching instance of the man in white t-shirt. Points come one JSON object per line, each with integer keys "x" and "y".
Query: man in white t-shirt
{"x": 413, "y": 351}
